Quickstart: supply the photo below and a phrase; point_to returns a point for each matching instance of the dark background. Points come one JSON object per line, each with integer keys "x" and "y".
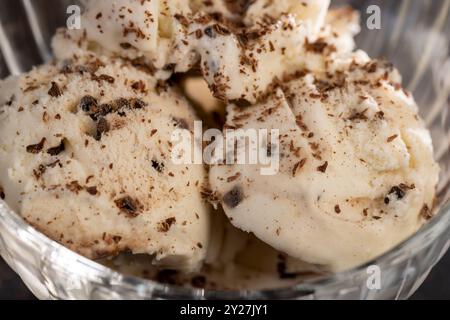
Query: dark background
{"x": 437, "y": 286}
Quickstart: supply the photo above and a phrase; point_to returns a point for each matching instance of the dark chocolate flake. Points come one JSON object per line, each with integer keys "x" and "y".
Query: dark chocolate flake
{"x": 164, "y": 226}
{"x": 102, "y": 128}
{"x": 54, "y": 90}
{"x": 158, "y": 166}
{"x": 397, "y": 191}
{"x": 323, "y": 168}
{"x": 88, "y": 103}
{"x": 36, "y": 148}
{"x": 57, "y": 150}
{"x": 129, "y": 206}
{"x": 92, "y": 191}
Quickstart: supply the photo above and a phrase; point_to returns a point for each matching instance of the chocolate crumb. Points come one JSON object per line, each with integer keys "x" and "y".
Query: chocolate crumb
{"x": 57, "y": 150}
{"x": 87, "y": 103}
{"x": 323, "y": 168}
{"x": 164, "y": 226}
{"x": 398, "y": 191}
{"x": 234, "y": 197}
{"x": 92, "y": 191}
{"x": 102, "y": 128}
{"x": 298, "y": 166}
{"x": 337, "y": 209}
{"x": 392, "y": 138}
{"x": 125, "y": 45}
{"x": 234, "y": 178}
{"x": 36, "y": 148}
{"x": 74, "y": 187}
{"x": 129, "y": 206}
{"x": 158, "y": 166}
{"x": 54, "y": 90}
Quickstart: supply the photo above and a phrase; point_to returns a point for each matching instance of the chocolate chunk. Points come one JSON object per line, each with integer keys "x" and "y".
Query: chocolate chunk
{"x": 392, "y": 138}
{"x": 397, "y": 191}
{"x": 74, "y": 187}
{"x": 164, "y": 226}
{"x": 92, "y": 191}
{"x": 102, "y": 128}
{"x": 2, "y": 193}
{"x": 54, "y": 90}
{"x": 137, "y": 103}
{"x": 234, "y": 197}
{"x": 88, "y": 103}
{"x": 101, "y": 111}
{"x": 323, "y": 168}
{"x": 104, "y": 77}
{"x": 36, "y": 148}
{"x": 129, "y": 206}
{"x": 57, "y": 150}
{"x": 158, "y": 166}
{"x": 125, "y": 45}
{"x": 39, "y": 171}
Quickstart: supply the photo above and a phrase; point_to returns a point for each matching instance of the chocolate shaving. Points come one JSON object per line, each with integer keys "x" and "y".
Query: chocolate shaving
{"x": 323, "y": 168}
{"x": 74, "y": 187}
{"x": 164, "y": 226}
{"x": 88, "y": 103}
{"x": 392, "y": 138}
{"x": 54, "y": 90}
{"x": 57, "y": 150}
{"x": 158, "y": 166}
{"x": 36, "y": 148}
{"x": 298, "y": 166}
{"x": 129, "y": 206}
{"x": 92, "y": 191}
{"x": 102, "y": 128}
{"x": 234, "y": 178}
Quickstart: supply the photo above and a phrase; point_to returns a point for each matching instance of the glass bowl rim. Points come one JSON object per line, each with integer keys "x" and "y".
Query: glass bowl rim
{"x": 165, "y": 291}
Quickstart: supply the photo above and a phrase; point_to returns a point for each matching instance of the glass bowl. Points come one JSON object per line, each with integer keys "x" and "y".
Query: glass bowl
{"x": 414, "y": 35}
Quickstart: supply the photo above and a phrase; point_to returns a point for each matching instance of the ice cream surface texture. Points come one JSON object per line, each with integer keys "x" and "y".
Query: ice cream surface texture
{"x": 85, "y": 158}
{"x": 86, "y": 142}
{"x": 357, "y": 174}
{"x": 239, "y": 52}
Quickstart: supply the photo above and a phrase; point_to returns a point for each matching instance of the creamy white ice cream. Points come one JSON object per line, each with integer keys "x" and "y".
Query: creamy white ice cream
{"x": 357, "y": 174}
{"x": 85, "y": 157}
{"x": 239, "y": 57}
